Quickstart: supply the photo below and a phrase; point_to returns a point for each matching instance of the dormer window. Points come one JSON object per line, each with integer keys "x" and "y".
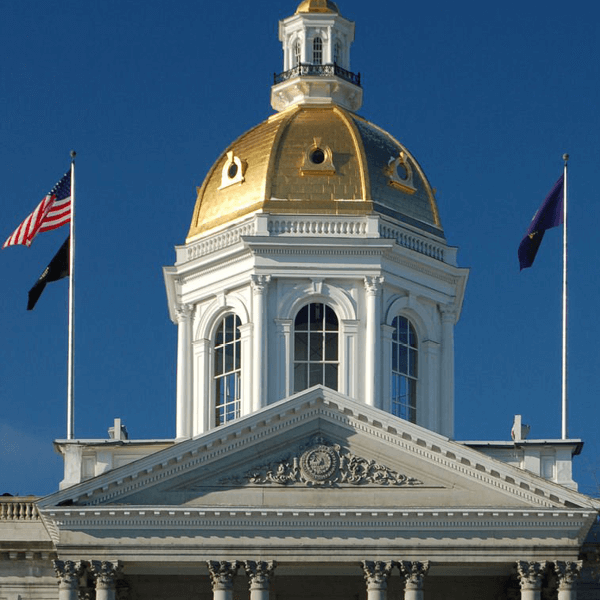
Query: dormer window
{"x": 317, "y": 51}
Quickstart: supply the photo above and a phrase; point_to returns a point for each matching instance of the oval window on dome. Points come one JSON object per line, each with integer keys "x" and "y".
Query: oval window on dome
{"x": 232, "y": 170}
{"x": 317, "y": 156}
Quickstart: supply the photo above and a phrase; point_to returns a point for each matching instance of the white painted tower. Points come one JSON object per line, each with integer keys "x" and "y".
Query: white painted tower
{"x": 315, "y": 256}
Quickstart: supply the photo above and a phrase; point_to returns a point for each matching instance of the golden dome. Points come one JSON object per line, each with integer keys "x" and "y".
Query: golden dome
{"x": 315, "y": 160}
{"x": 317, "y": 6}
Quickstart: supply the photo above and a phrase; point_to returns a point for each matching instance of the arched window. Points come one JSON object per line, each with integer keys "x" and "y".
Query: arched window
{"x": 317, "y": 51}
{"x": 227, "y": 369}
{"x": 297, "y": 53}
{"x": 404, "y": 369}
{"x": 337, "y": 52}
{"x": 315, "y": 347}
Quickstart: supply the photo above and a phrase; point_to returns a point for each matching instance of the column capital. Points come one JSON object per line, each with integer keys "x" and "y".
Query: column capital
{"x": 531, "y": 574}
{"x": 260, "y": 283}
{"x": 373, "y": 285}
{"x": 567, "y": 572}
{"x": 413, "y": 572}
{"x": 222, "y": 573}
{"x": 105, "y": 573}
{"x": 376, "y": 573}
{"x": 260, "y": 573}
{"x": 68, "y": 572}
{"x": 183, "y": 312}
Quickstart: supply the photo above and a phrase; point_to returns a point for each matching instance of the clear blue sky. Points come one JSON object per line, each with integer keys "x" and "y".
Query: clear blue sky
{"x": 486, "y": 96}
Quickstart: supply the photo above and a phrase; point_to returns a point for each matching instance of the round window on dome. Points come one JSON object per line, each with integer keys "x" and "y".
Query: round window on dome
{"x": 317, "y": 156}
{"x": 402, "y": 171}
{"x": 232, "y": 170}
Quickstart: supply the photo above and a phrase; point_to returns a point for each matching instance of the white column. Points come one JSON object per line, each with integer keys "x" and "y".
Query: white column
{"x": 69, "y": 574}
{"x": 447, "y": 371}
{"x": 184, "y": 372}
{"x": 260, "y": 574}
{"x": 372, "y": 342}
{"x": 201, "y": 386}
{"x": 567, "y": 572}
{"x": 530, "y": 579}
{"x": 348, "y": 371}
{"x": 105, "y": 573}
{"x": 376, "y": 574}
{"x": 259, "y": 346}
{"x": 222, "y": 574}
{"x": 414, "y": 572}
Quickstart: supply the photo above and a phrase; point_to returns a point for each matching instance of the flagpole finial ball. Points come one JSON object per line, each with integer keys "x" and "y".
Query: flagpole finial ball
{"x": 73, "y": 154}
{"x": 565, "y": 157}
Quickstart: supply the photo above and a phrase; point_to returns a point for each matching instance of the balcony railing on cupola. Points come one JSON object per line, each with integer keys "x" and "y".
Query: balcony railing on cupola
{"x": 317, "y": 71}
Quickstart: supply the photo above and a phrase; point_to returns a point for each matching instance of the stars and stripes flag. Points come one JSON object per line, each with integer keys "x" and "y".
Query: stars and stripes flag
{"x": 52, "y": 212}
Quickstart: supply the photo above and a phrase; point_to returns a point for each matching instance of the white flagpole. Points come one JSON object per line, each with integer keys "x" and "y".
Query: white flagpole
{"x": 564, "y": 306}
{"x": 70, "y": 377}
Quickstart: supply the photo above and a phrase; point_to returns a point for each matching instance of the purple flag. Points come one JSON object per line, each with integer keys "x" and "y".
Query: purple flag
{"x": 550, "y": 214}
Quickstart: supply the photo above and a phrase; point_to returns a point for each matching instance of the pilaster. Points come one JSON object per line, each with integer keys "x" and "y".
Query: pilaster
{"x": 449, "y": 316}
{"x": 376, "y": 573}
{"x": 531, "y": 574}
{"x": 259, "y": 292}
{"x": 373, "y": 287}
{"x": 184, "y": 371}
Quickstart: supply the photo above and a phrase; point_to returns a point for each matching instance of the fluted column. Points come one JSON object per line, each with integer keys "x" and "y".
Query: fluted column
{"x": 567, "y": 573}
{"x": 184, "y": 371}
{"x": 259, "y": 293}
{"x": 414, "y": 573}
{"x": 105, "y": 573}
{"x": 446, "y": 414}
{"x": 530, "y": 579}
{"x": 222, "y": 574}
{"x": 372, "y": 342}
{"x": 376, "y": 574}
{"x": 260, "y": 574}
{"x": 69, "y": 573}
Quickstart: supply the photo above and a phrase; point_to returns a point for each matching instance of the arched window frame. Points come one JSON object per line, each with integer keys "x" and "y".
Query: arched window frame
{"x": 297, "y": 53}
{"x": 316, "y": 351}
{"x": 317, "y": 50}
{"x": 404, "y": 369}
{"x": 227, "y": 369}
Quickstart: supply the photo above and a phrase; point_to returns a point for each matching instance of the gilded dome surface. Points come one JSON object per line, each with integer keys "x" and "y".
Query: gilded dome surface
{"x": 315, "y": 161}
{"x": 317, "y": 6}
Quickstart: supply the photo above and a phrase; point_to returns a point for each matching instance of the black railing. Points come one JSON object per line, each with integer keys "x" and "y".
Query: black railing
{"x": 317, "y": 71}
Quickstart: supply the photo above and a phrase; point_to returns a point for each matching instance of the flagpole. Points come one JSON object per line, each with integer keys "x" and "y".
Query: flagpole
{"x": 564, "y": 307}
{"x": 71, "y": 371}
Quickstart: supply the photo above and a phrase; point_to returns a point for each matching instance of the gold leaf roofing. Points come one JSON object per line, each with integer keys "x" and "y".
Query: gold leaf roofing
{"x": 317, "y": 6}
{"x": 275, "y": 179}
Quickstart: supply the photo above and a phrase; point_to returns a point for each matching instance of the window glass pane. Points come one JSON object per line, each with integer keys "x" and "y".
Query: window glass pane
{"x": 402, "y": 360}
{"x": 413, "y": 337}
{"x": 300, "y": 377}
{"x": 394, "y": 356}
{"x": 402, "y": 330}
{"x": 229, "y": 328}
{"x": 316, "y": 316}
{"x": 315, "y": 374}
{"x": 331, "y": 320}
{"x": 218, "y": 361}
{"x": 238, "y": 350}
{"x": 301, "y": 322}
{"x": 316, "y": 346}
{"x": 228, "y": 358}
{"x": 412, "y": 364}
{"x": 331, "y": 346}
{"x": 331, "y": 376}
{"x": 219, "y": 336}
{"x": 301, "y": 346}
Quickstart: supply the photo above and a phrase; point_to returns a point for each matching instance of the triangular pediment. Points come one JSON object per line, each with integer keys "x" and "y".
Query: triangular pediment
{"x": 319, "y": 449}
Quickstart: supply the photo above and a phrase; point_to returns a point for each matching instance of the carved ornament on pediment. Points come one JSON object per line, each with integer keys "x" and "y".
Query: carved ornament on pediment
{"x": 321, "y": 463}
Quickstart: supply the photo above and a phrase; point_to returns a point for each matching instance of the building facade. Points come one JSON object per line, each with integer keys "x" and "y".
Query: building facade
{"x": 315, "y": 299}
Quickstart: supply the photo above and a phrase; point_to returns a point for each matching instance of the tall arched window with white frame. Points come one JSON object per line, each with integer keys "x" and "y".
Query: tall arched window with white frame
{"x": 317, "y": 51}
{"x": 228, "y": 369}
{"x": 316, "y": 341}
{"x": 297, "y": 53}
{"x": 404, "y": 369}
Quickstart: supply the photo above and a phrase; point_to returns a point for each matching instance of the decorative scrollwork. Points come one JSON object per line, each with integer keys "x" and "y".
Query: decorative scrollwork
{"x": 321, "y": 463}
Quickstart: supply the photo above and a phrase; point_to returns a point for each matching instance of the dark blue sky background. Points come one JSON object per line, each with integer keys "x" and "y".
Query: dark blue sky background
{"x": 487, "y": 97}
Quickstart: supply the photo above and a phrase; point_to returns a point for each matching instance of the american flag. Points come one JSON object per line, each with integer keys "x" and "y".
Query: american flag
{"x": 52, "y": 212}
